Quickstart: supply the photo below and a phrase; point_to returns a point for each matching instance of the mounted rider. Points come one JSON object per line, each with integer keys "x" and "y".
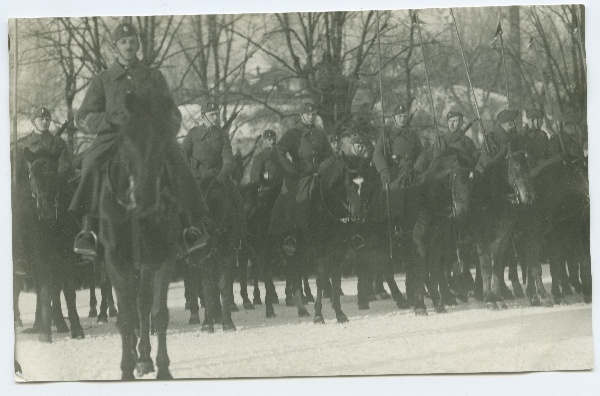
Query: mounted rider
{"x": 266, "y": 172}
{"x": 335, "y": 143}
{"x": 208, "y": 149}
{"x": 534, "y": 138}
{"x": 102, "y": 113}
{"x": 39, "y": 143}
{"x": 500, "y": 140}
{"x": 300, "y": 151}
{"x": 454, "y": 141}
{"x": 404, "y": 154}
{"x": 572, "y": 137}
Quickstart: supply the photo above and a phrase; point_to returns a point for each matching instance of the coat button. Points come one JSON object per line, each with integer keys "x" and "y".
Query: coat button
{"x": 129, "y": 77}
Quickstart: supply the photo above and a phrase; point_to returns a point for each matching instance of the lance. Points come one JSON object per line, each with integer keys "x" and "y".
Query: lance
{"x": 437, "y": 132}
{"x": 581, "y": 41}
{"x": 383, "y": 141}
{"x": 462, "y": 52}
{"x": 501, "y": 32}
{"x": 546, "y": 92}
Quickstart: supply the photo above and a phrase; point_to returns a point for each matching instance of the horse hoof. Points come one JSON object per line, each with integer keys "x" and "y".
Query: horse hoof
{"x": 319, "y": 320}
{"x": 194, "y": 319}
{"x": 420, "y": 312}
{"x": 440, "y": 309}
{"x": 62, "y": 328}
{"x": 112, "y": 312}
{"x": 342, "y": 318}
{"x": 309, "y": 299}
{"x": 567, "y": 291}
{"x": 587, "y": 299}
{"x": 289, "y": 303}
{"x": 229, "y": 326}
{"x": 45, "y": 338}
{"x": 501, "y": 305}
{"x": 77, "y": 334}
{"x": 362, "y": 307}
{"x": 560, "y": 300}
{"x": 234, "y": 308}
{"x": 31, "y": 330}
{"x": 256, "y": 301}
{"x": 164, "y": 375}
{"x": 127, "y": 376}
{"x": 93, "y": 313}
{"x": 303, "y": 313}
{"x": 403, "y": 304}
{"x": 271, "y": 314}
{"x": 248, "y": 305}
{"x": 384, "y": 295}
{"x": 207, "y": 328}
{"x": 535, "y": 302}
{"x": 143, "y": 368}
{"x": 491, "y": 305}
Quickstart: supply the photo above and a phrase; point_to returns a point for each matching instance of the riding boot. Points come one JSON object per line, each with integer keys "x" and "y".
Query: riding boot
{"x": 86, "y": 241}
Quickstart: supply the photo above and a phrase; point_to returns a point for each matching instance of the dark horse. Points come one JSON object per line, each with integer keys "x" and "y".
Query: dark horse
{"x": 560, "y": 213}
{"x": 140, "y": 225}
{"x": 500, "y": 194}
{"x": 337, "y": 207}
{"x": 216, "y": 268}
{"x": 422, "y": 217}
{"x": 46, "y": 228}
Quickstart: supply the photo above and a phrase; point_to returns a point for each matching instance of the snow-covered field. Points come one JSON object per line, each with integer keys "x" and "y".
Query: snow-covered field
{"x": 383, "y": 340}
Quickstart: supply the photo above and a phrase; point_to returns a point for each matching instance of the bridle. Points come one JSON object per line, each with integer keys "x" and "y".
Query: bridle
{"x": 345, "y": 203}
{"x": 515, "y": 197}
{"x": 37, "y": 198}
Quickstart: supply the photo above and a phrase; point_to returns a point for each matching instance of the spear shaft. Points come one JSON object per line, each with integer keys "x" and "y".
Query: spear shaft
{"x": 383, "y": 142}
{"x": 462, "y": 52}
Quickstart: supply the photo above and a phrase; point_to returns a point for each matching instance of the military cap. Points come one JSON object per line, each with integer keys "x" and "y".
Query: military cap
{"x": 454, "y": 113}
{"x": 334, "y": 138}
{"x": 534, "y": 114}
{"x": 507, "y": 116}
{"x": 400, "y": 110}
{"x": 40, "y": 112}
{"x": 269, "y": 134}
{"x": 123, "y": 30}
{"x": 210, "y": 107}
{"x": 309, "y": 108}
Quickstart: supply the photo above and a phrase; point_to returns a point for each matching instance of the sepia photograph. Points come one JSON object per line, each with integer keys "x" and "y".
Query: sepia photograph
{"x": 317, "y": 193}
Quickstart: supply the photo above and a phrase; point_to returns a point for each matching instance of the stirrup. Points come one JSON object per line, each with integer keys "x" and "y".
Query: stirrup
{"x": 86, "y": 252}
{"x": 194, "y": 239}
{"x": 289, "y": 245}
{"x": 21, "y": 267}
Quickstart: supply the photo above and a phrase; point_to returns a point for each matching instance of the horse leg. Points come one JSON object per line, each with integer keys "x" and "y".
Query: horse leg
{"x": 187, "y": 280}
{"x": 145, "y": 364}
{"x": 363, "y": 268}
{"x": 320, "y": 292}
{"x": 208, "y": 326}
{"x": 564, "y": 263}
{"x": 336, "y": 281}
{"x": 310, "y": 260}
{"x": 225, "y": 282}
{"x": 418, "y": 250}
{"x": 296, "y": 272}
{"x": 193, "y": 302}
{"x": 56, "y": 287}
{"x": 485, "y": 263}
{"x": 513, "y": 275}
{"x": 93, "y": 301}
{"x": 17, "y": 287}
{"x": 534, "y": 280}
{"x": 160, "y": 318}
{"x": 555, "y": 272}
{"x": 243, "y": 275}
{"x": 255, "y": 267}
{"x": 70, "y": 298}
{"x": 270, "y": 294}
{"x": 583, "y": 249}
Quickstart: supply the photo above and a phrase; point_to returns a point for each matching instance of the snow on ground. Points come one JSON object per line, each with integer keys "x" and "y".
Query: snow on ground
{"x": 383, "y": 340}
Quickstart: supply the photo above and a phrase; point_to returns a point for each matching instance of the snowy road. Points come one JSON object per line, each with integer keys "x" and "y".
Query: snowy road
{"x": 383, "y": 340}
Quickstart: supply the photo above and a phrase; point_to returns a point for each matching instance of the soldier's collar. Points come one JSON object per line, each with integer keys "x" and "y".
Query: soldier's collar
{"x": 117, "y": 70}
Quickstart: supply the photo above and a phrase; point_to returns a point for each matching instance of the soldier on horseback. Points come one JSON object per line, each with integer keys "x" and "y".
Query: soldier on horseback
{"x": 535, "y": 139}
{"x": 208, "y": 150}
{"x": 455, "y": 140}
{"x": 40, "y": 142}
{"x": 499, "y": 140}
{"x": 266, "y": 173}
{"x": 102, "y": 113}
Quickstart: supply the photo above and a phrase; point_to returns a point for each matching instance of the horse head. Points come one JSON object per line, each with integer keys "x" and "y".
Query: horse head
{"x": 461, "y": 176}
{"x": 140, "y": 174}
{"x": 354, "y": 179}
{"x": 44, "y": 181}
{"x": 519, "y": 176}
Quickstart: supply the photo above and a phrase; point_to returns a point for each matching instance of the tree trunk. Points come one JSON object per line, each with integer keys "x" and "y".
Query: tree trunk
{"x": 513, "y": 62}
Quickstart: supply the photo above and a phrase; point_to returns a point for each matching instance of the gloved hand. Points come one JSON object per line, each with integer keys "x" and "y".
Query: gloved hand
{"x": 120, "y": 118}
{"x": 386, "y": 176}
